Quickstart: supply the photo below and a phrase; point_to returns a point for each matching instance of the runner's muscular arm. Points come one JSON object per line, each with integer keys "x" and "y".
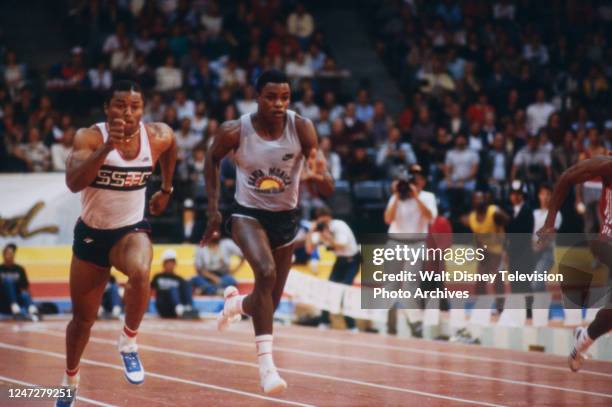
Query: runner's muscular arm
{"x": 226, "y": 139}
{"x": 318, "y": 173}
{"x": 163, "y": 145}
{"x": 585, "y": 170}
{"x": 87, "y": 157}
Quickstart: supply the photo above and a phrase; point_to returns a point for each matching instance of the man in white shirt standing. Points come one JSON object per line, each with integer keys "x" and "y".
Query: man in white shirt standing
{"x": 409, "y": 212}
{"x": 538, "y": 112}
{"x": 545, "y": 253}
{"x": 338, "y": 237}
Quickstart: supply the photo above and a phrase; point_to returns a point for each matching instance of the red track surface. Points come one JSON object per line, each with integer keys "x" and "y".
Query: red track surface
{"x": 191, "y": 364}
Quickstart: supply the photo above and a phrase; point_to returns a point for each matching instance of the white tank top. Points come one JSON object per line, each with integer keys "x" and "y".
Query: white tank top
{"x": 116, "y": 198}
{"x": 268, "y": 171}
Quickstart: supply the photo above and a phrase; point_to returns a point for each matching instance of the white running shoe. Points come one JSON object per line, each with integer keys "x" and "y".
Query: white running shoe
{"x": 227, "y": 316}
{"x": 69, "y": 391}
{"x": 132, "y": 367}
{"x": 271, "y": 382}
{"x": 577, "y": 357}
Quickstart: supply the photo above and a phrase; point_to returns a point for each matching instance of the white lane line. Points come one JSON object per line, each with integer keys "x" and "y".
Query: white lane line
{"x": 380, "y": 363}
{"x": 351, "y": 342}
{"x": 298, "y": 372}
{"x": 85, "y": 399}
{"x": 148, "y": 373}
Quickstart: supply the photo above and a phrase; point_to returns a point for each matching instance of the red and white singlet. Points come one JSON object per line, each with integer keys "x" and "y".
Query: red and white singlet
{"x": 116, "y": 198}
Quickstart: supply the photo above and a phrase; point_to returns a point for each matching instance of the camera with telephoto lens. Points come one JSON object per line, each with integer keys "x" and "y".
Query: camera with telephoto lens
{"x": 403, "y": 185}
{"x": 321, "y": 226}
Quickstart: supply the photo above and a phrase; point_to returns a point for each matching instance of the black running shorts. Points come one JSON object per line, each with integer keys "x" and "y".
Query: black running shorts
{"x": 281, "y": 227}
{"x": 94, "y": 245}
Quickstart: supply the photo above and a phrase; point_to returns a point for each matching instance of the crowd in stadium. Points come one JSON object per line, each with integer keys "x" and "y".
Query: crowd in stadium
{"x": 494, "y": 91}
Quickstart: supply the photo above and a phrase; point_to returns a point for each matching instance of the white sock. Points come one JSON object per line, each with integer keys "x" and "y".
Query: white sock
{"x": 71, "y": 380}
{"x": 116, "y": 310}
{"x": 584, "y": 341}
{"x": 127, "y": 343}
{"x": 179, "y": 309}
{"x": 234, "y": 306}
{"x": 15, "y": 308}
{"x": 264, "y": 352}
{"x": 32, "y": 309}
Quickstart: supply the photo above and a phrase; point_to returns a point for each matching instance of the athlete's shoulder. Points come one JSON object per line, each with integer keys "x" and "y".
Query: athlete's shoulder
{"x": 230, "y": 128}
{"x": 159, "y": 130}
{"x": 229, "y": 133}
{"x": 88, "y": 137}
{"x": 302, "y": 122}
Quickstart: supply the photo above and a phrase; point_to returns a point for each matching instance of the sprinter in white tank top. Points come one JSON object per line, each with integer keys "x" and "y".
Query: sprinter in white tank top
{"x": 110, "y": 165}
{"x": 601, "y": 245}
{"x": 270, "y": 147}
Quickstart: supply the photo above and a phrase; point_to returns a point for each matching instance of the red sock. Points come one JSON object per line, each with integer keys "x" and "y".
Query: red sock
{"x": 129, "y": 332}
{"x": 72, "y": 372}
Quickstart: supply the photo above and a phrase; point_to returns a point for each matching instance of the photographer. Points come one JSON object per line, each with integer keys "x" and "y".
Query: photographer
{"x": 337, "y": 236}
{"x": 410, "y": 209}
{"x": 409, "y": 213}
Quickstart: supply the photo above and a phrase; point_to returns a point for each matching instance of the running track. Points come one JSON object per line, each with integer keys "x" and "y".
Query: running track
{"x": 189, "y": 363}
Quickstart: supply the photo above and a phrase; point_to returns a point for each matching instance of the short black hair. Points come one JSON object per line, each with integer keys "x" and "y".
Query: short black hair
{"x": 270, "y": 76}
{"x": 12, "y": 246}
{"x": 121, "y": 86}
{"x": 547, "y": 186}
{"x": 322, "y": 211}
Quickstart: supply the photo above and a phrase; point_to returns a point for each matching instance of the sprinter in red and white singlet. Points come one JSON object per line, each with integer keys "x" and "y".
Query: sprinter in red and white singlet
{"x": 110, "y": 165}
{"x": 597, "y": 167}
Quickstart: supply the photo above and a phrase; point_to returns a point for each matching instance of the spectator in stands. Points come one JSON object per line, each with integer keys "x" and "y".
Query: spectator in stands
{"x": 538, "y": 112}
{"x": 487, "y": 222}
{"x": 460, "y": 169}
{"x": 14, "y": 73}
{"x": 337, "y": 236}
{"x": 301, "y": 24}
{"x": 519, "y": 229}
{"x": 593, "y": 145}
{"x": 532, "y": 163}
{"x": 436, "y": 81}
{"x": 100, "y": 78}
{"x": 246, "y": 103}
{"x": 299, "y": 68}
{"x": 333, "y": 160}
{"x": 423, "y": 131}
{"x": 60, "y": 151}
{"x": 199, "y": 122}
{"x": 185, "y": 108}
{"x": 364, "y": 111}
{"x": 324, "y": 124}
{"x": 111, "y": 300}
{"x": 393, "y": 155}
{"x": 186, "y": 139}
{"x": 35, "y": 153}
{"x": 122, "y": 59}
{"x": 360, "y": 166}
{"x": 173, "y": 297}
{"x": 113, "y": 41}
{"x": 232, "y": 76}
{"x": 15, "y": 298}
{"x": 307, "y": 108}
{"x": 564, "y": 156}
{"x": 496, "y": 166}
{"x": 409, "y": 212}
{"x": 545, "y": 254}
{"x": 154, "y": 109}
{"x": 213, "y": 266}
{"x": 380, "y": 124}
{"x": 477, "y": 111}
{"x": 168, "y": 77}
